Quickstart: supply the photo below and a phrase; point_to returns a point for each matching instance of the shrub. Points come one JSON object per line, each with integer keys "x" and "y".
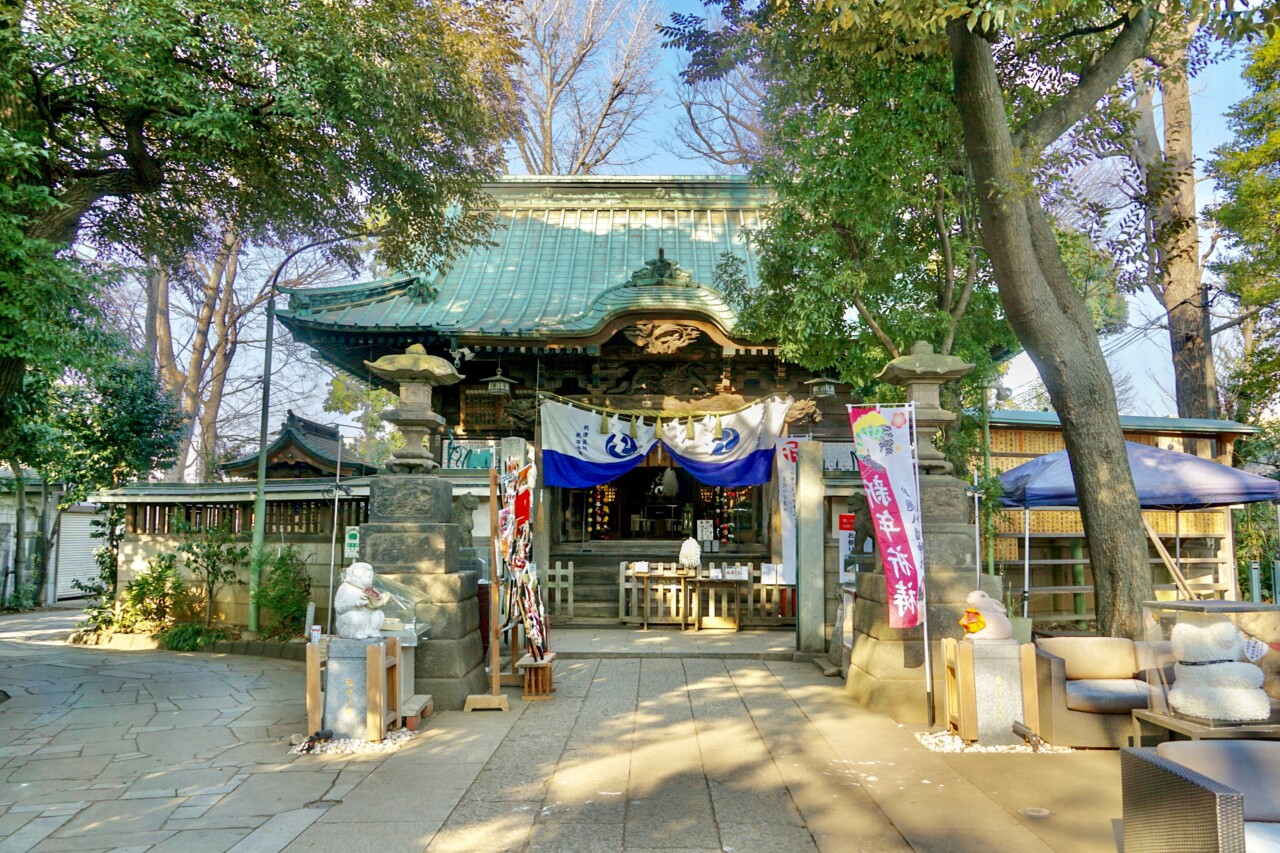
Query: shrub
{"x": 151, "y": 600}
{"x": 212, "y": 557}
{"x": 285, "y": 593}
{"x": 192, "y": 637}
{"x": 22, "y": 598}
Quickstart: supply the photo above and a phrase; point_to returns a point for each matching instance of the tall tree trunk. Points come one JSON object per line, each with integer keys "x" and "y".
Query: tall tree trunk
{"x": 1168, "y": 173}
{"x": 1178, "y": 244}
{"x": 1051, "y": 320}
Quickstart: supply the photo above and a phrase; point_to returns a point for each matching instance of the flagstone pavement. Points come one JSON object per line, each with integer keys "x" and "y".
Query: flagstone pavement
{"x": 159, "y": 751}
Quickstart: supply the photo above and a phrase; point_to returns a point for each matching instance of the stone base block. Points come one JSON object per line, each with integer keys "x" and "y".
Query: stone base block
{"x": 450, "y": 658}
{"x": 439, "y": 589}
{"x": 450, "y": 694}
{"x": 410, "y": 547}
{"x": 902, "y": 699}
{"x": 346, "y": 689}
{"x": 410, "y": 497}
{"x": 997, "y": 676}
{"x": 453, "y": 620}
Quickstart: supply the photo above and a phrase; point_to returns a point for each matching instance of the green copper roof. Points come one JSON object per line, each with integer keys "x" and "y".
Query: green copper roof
{"x": 569, "y": 253}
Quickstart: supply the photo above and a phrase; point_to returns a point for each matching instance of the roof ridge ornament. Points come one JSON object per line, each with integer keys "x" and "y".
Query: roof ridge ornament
{"x": 660, "y": 271}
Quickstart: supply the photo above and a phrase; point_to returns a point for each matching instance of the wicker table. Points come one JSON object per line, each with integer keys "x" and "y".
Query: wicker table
{"x": 1162, "y": 727}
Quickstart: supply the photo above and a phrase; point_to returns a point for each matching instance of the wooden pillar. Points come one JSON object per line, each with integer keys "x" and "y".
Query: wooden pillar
{"x": 811, "y": 628}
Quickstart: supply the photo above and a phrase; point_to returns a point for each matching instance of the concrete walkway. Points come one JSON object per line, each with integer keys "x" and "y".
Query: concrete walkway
{"x": 158, "y": 751}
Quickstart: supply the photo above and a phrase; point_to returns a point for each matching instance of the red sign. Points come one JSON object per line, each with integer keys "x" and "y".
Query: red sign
{"x": 846, "y": 521}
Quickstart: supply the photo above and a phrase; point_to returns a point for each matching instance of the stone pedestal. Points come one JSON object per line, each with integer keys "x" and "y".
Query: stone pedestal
{"x": 410, "y": 539}
{"x": 346, "y": 688}
{"x": 886, "y": 665}
{"x": 997, "y": 676}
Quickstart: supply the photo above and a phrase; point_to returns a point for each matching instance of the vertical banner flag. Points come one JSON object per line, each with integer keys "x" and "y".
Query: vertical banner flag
{"x": 788, "y": 456}
{"x": 577, "y": 454}
{"x": 848, "y": 563}
{"x": 732, "y": 449}
{"x": 883, "y": 447}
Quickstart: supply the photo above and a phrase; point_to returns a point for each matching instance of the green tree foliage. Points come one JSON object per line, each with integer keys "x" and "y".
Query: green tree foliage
{"x": 128, "y": 123}
{"x": 97, "y": 427}
{"x": 1024, "y": 76}
{"x": 1247, "y": 172}
{"x": 349, "y": 396}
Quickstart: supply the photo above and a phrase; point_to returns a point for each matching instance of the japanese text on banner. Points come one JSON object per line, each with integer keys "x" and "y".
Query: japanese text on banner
{"x": 882, "y": 446}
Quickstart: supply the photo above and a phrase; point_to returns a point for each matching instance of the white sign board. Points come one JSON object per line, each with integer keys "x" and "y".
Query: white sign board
{"x": 735, "y": 573}
{"x": 351, "y": 543}
{"x": 705, "y": 528}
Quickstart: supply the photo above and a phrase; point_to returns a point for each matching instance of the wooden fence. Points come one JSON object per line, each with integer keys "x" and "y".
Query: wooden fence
{"x": 762, "y": 604}
{"x": 557, "y": 588}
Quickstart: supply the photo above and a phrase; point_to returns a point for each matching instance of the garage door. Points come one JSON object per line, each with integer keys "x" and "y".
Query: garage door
{"x": 75, "y": 553}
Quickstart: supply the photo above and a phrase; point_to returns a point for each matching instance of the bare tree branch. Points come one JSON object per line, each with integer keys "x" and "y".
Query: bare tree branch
{"x": 588, "y": 78}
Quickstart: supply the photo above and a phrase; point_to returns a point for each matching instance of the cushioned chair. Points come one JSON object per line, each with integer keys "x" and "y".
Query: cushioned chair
{"x": 1086, "y": 688}
{"x": 1202, "y": 797}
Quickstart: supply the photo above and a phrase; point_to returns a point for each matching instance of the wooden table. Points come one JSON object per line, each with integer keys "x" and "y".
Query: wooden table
{"x": 1153, "y": 724}
{"x": 684, "y": 579}
{"x": 699, "y": 584}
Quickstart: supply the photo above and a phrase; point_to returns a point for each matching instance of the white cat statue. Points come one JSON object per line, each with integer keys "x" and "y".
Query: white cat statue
{"x": 357, "y": 604}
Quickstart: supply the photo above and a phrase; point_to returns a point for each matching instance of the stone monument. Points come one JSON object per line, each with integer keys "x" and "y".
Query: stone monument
{"x": 410, "y": 536}
{"x": 359, "y": 616}
{"x": 886, "y": 665}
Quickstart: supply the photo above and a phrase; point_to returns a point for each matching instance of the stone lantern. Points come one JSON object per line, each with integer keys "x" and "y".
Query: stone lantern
{"x": 416, "y": 373}
{"x": 923, "y": 372}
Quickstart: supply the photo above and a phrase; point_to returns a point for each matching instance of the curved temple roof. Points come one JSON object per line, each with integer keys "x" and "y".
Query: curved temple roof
{"x": 567, "y": 256}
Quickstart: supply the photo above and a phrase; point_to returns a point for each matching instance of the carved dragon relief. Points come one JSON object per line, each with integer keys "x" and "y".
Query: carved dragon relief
{"x": 660, "y": 338}
{"x": 802, "y": 412}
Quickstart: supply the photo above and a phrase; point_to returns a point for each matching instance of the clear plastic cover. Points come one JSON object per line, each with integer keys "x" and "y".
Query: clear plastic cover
{"x": 1213, "y": 663}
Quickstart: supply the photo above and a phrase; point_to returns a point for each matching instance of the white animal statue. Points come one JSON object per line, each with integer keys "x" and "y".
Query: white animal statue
{"x": 1210, "y": 679}
{"x": 357, "y": 604}
{"x": 985, "y": 619}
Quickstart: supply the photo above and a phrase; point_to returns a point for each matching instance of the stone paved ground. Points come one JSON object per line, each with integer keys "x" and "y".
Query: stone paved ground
{"x": 104, "y": 750}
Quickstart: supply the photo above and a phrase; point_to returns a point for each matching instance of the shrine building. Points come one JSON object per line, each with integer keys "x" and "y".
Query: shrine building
{"x": 598, "y": 290}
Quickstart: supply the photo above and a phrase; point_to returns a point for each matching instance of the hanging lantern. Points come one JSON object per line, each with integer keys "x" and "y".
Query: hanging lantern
{"x": 499, "y": 385}
{"x": 823, "y": 386}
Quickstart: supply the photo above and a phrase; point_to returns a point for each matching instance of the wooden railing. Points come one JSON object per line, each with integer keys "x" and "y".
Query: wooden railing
{"x": 763, "y": 604}
{"x": 557, "y": 585}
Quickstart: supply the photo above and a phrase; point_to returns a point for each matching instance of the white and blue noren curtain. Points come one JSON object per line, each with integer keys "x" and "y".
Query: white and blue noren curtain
{"x": 741, "y": 456}
{"x": 577, "y": 455}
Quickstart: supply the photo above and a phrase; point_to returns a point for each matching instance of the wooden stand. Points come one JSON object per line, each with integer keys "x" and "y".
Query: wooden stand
{"x": 495, "y": 699}
{"x": 962, "y": 701}
{"x": 386, "y": 708}
{"x": 538, "y": 676}
{"x": 382, "y": 683}
{"x": 315, "y": 698}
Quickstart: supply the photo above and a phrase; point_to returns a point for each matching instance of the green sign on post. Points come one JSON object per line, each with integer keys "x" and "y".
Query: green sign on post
{"x": 351, "y": 544}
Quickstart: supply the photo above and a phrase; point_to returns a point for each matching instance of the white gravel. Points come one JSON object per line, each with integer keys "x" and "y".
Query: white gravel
{"x": 391, "y": 743}
{"x": 950, "y": 742}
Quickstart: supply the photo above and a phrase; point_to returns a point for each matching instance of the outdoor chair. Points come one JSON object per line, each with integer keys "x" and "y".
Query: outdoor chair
{"x": 1086, "y": 688}
{"x": 1202, "y": 797}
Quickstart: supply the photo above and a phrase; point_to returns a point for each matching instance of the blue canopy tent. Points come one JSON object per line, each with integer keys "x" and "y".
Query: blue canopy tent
{"x": 1164, "y": 479}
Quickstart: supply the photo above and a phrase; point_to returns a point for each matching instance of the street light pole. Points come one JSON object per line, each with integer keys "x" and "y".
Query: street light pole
{"x": 256, "y": 557}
